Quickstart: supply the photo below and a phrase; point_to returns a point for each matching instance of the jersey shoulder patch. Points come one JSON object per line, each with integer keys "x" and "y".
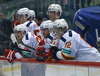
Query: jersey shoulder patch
{"x": 50, "y": 37}
{"x": 28, "y": 24}
{"x": 67, "y": 36}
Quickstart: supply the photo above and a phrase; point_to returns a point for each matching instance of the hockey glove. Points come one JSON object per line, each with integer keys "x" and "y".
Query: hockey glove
{"x": 40, "y": 51}
{"x": 54, "y": 50}
{"x": 11, "y": 55}
{"x": 47, "y": 57}
{"x": 41, "y": 43}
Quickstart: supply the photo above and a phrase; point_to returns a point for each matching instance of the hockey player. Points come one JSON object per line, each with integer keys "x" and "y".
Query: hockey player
{"x": 45, "y": 28}
{"x": 24, "y": 16}
{"x": 72, "y": 45}
{"x": 28, "y": 69}
{"x": 54, "y": 12}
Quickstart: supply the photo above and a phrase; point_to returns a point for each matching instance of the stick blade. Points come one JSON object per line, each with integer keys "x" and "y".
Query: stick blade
{"x": 13, "y": 38}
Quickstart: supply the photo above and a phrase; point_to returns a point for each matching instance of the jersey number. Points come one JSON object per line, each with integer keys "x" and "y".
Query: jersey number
{"x": 67, "y": 45}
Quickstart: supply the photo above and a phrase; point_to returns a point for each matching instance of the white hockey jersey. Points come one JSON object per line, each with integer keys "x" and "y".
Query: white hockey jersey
{"x": 30, "y": 40}
{"x": 32, "y": 27}
{"x": 47, "y": 42}
{"x": 73, "y": 46}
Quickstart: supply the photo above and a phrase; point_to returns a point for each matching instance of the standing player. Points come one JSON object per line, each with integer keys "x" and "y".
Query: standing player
{"x": 54, "y": 12}
{"x": 25, "y": 18}
{"x": 72, "y": 45}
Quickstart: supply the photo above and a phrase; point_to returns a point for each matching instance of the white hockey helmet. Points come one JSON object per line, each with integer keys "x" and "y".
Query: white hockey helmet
{"x": 47, "y": 24}
{"x": 24, "y": 12}
{"x": 32, "y": 13}
{"x": 56, "y": 8}
{"x": 61, "y": 23}
{"x": 20, "y": 27}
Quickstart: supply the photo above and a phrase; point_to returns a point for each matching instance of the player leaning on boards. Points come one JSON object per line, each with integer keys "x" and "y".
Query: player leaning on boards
{"x": 71, "y": 45}
{"x": 28, "y": 69}
{"x": 46, "y": 29}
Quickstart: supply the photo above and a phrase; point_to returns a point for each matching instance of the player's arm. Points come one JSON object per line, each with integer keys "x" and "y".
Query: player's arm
{"x": 64, "y": 53}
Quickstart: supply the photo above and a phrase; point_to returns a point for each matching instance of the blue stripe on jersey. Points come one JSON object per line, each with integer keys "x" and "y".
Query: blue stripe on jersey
{"x": 27, "y": 36}
{"x": 63, "y": 39}
{"x": 29, "y": 23}
{"x": 50, "y": 37}
{"x": 70, "y": 33}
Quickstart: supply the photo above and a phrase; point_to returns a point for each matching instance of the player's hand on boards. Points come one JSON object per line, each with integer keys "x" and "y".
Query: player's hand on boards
{"x": 40, "y": 51}
{"x": 11, "y": 55}
{"x": 47, "y": 57}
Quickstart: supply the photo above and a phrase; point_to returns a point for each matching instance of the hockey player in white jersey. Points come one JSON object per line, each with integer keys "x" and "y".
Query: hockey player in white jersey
{"x": 24, "y": 16}
{"x": 54, "y": 12}
{"x": 72, "y": 45}
{"x": 46, "y": 29}
{"x": 28, "y": 69}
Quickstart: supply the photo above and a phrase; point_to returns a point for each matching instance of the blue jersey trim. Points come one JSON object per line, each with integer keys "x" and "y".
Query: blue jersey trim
{"x": 70, "y": 33}
{"x": 63, "y": 39}
{"x": 27, "y": 36}
{"x": 29, "y": 24}
{"x": 50, "y": 37}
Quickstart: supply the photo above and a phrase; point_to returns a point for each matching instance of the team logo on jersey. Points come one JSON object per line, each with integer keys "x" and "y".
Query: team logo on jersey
{"x": 66, "y": 51}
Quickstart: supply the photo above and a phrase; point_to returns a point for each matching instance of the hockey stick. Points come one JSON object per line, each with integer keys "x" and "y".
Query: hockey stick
{"x": 85, "y": 29}
{"x": 25, "y": 56}
{"x": 11, "y": 40}
{"x": 98, "y": 40}
{"x": 17, "y": 49}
